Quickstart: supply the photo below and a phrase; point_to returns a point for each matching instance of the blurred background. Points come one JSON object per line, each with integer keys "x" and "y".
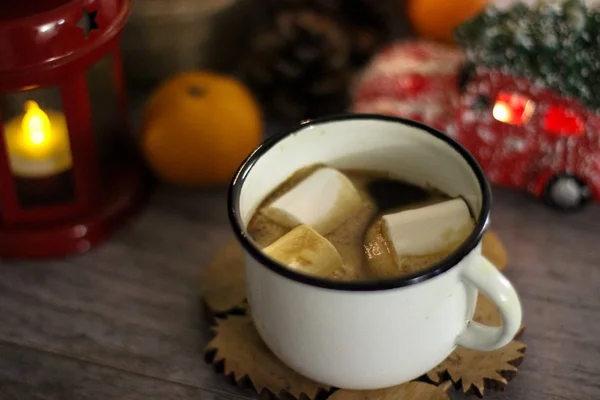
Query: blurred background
{"x": 206, "y": 82}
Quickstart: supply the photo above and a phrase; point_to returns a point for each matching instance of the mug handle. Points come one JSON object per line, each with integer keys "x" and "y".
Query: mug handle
{"x": 486, "y": 278}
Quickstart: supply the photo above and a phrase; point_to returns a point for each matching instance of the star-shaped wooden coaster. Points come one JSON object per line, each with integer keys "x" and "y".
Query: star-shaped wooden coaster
{"x": 238, "y": 352}
{"x": 493, "y": 250}
{"x": 474, "y": 371}
{"x": 222, "y": 281}
{"x": 407, "y": 391}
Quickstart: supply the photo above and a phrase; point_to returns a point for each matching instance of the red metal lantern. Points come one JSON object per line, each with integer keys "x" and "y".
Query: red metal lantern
{"x": 69, "y": 173}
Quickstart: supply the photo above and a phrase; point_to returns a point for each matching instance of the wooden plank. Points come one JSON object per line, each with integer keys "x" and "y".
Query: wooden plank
{"x": 29, "y": 374}
{"x": 133, "y": 303}
{"x": 553, "y": 262}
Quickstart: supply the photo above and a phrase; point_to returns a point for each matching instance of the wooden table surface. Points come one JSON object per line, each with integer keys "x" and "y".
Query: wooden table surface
{"x": 124, "y": 321}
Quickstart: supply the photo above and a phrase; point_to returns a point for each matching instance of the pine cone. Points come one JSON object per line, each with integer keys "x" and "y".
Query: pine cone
{"x": 383, "y": 8}
{"x": 300, "y": 65}
{"x": 295, "y": 5}
{"x": 364, "y": 21}
{"x": 365, "y": 26}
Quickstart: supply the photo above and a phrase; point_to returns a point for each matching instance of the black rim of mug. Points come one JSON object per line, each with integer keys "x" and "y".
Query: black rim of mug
{"x": 237, "y": 184}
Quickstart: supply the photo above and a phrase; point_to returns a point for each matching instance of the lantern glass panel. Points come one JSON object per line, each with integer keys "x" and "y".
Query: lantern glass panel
{"x": 108, "y": 123}
{"x": 38, "y": 147}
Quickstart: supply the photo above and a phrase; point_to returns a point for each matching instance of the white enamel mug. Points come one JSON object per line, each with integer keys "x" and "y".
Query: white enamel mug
{"x": 371, "y": 334}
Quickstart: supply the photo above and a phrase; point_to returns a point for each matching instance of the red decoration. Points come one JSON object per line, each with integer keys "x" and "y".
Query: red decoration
{"x": 68, "y": 172}
{"x": 563, "y": 122}
{"x": 543, "y": 138}
{"x": 525, "y": 136}
{"x": 412, "y": 79}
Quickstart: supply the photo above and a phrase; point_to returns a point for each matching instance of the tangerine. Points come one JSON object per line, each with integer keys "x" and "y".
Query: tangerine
{"x": 198, "y": 127}
{"x": 437, "y": 19}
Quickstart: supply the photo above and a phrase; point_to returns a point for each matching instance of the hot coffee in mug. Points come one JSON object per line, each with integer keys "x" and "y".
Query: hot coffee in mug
{"x": 363, "y": 260}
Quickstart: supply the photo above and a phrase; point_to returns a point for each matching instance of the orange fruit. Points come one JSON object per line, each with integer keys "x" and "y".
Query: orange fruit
{"x": 437, "y": 19}
{"x": 198, "y": 127}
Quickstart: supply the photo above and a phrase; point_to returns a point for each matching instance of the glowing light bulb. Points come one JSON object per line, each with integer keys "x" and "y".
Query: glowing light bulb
{"x": 35, "y": 125}
{"x": 513, "y": 108}
{"x": 501, "y": 112}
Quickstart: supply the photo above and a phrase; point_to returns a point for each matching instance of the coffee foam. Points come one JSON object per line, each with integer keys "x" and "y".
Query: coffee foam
{"x": 364, "y": 250}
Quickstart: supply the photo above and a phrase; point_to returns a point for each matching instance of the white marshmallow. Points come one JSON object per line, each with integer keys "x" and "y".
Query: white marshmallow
{"x": 323, "y": 201}
{"x": 428, "y": 229}
{"x": 304, "y": 250}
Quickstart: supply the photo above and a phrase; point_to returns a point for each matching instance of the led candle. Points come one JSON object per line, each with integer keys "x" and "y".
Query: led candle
{"x": 38, "y": 143}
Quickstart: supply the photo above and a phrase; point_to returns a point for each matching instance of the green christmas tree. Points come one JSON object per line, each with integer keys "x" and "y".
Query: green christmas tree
{"x": 555, "y": 44}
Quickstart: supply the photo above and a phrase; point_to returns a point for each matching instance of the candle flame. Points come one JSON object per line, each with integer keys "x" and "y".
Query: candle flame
{"x": 35, "y": 125}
